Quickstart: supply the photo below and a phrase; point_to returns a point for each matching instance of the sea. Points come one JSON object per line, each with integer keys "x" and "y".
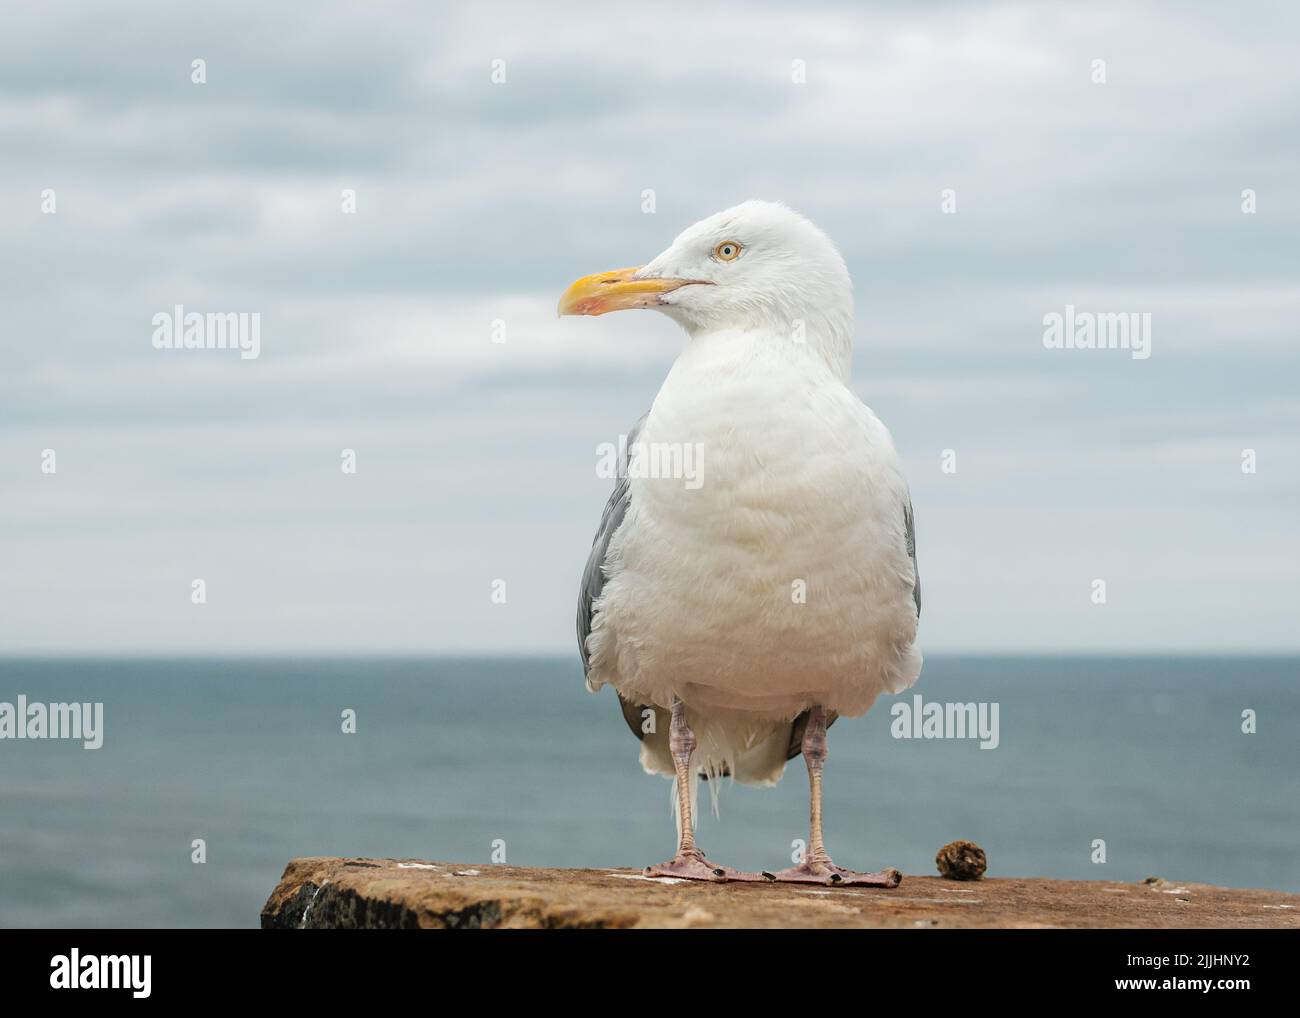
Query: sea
{"x": 214, "y": 773}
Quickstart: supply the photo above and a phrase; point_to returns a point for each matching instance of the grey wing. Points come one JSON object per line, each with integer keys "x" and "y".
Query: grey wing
{"x": 593, "y": 576}
{"x": 909, "y": 523}
{"x": 795, "y": 746}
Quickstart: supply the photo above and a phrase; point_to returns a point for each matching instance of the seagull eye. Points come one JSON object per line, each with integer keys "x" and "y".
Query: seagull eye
{"x": 727, "y": 251}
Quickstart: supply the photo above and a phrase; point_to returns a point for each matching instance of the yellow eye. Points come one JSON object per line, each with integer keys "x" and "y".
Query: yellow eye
{"x": 727, "y": 251}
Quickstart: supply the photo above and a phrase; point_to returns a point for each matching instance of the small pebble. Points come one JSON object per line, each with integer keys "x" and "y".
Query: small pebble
{"x": 961, "y": 860}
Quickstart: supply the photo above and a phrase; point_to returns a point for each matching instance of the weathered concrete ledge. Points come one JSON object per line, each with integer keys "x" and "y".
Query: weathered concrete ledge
{"x": 325, "y": 893}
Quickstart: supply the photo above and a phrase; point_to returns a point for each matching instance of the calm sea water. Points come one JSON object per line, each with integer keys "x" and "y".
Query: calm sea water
{"x": 451, "y": 755}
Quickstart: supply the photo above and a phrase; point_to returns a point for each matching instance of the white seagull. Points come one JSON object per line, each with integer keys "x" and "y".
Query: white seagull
{"x": 740, "y": 610}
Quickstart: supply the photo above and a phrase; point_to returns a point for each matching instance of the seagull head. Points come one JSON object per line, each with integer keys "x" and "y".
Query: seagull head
{"x": 759, "y": 266}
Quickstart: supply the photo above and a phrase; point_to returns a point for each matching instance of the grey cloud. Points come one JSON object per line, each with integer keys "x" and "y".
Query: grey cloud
{"x": 474, "y": 197}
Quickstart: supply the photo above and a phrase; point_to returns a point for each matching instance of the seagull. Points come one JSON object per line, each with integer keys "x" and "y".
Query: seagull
{"x": 740, "y": 606}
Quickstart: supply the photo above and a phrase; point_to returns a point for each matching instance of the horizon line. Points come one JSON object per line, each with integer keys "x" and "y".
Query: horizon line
{"x": 487, "y": 655}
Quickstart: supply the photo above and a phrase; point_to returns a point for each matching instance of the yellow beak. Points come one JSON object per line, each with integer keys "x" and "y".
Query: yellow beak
{"x": 616, "y": 291}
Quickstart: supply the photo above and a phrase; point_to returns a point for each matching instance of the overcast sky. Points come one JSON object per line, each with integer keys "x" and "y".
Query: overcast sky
{"x": 478, "y": 201}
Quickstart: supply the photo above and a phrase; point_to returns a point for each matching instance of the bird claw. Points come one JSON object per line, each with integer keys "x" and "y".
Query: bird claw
{"x": 694, "y": 866}
{"x": 827, "y": 873}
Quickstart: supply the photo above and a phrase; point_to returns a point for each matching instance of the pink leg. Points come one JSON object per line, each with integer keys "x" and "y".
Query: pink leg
{"x": 690, "y": 863}
{"x": 817, "y": 867}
